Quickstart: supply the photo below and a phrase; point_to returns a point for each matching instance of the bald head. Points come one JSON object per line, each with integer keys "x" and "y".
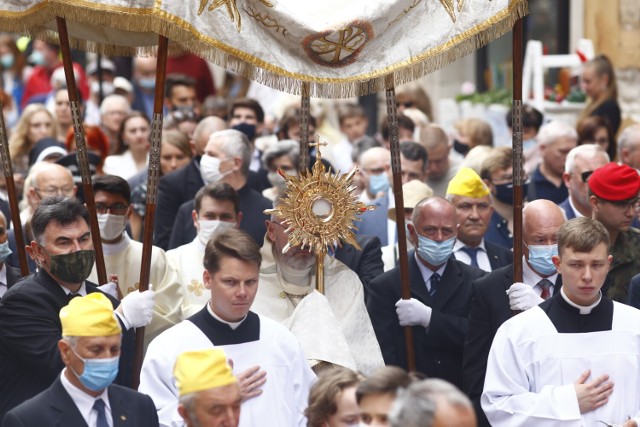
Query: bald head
{"x": 541, "y": 220}
{"x": 203, "y": 131}
{"x": 375, "y": 155}
{"x": 49, "y": 179}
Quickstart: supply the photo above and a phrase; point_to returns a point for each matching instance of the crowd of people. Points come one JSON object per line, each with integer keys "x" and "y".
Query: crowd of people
{"x": 235, "y": 332}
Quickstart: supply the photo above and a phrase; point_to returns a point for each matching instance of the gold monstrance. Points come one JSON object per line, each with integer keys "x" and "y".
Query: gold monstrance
{"x": 318, "y": 209}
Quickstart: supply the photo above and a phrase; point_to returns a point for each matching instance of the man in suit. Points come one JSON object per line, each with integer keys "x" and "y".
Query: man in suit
{"x": 83, "y": 394}
{"x": 182, "y": 185}
{"x": 8, "y": 275}
{"x": 226, "y": 159}
{"x": 581, "y": 162}
{"x": 474, "y": 207}
{"x": 205, "y": 380}
{"x": 440, "y": 296}
{"x": 496, "y": 297}
{"x": 63, "y": 250}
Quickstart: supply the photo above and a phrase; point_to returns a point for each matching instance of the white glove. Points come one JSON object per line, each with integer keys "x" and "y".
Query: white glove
{"x": 110, "y": 288}
{"x": 522, "y": 297}
{"x": 137, "y": 308}
{"x": 412, "y": 312}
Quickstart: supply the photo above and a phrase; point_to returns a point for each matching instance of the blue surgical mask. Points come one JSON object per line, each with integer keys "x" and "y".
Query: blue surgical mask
{"x": 98, "y": 373}
{"x": 528, "y": 144}
{"x": 36, "y": 58}
{"x": 540, "y": 258}
{"x": 378, "y": 183}
{"x": 7, "y": 60}
{"x": 147, "y": 83}
{"x": 435, "y": 253}
{"x": 5, "y": 251}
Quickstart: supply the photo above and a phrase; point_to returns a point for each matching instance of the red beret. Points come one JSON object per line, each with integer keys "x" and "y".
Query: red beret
{"x": 615, "y": 182}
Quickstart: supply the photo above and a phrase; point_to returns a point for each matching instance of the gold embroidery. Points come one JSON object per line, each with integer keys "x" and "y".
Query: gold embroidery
{"x": 232, "y": 9}
{"x": 338, "y": 48}
{"x": 448, "y": 6}
{"x": 266, "y": 20}
{"x": 196, "y": 287}
{"x": 404, "y": 12}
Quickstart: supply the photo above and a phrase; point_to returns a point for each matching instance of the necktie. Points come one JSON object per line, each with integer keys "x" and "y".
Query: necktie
{"x": 71, "y": 295}
{"x": 434, "y": 281}
{"x": 472, "y": 252}
{"x": 102, "y": 416}
{"x": 545, "y": 284}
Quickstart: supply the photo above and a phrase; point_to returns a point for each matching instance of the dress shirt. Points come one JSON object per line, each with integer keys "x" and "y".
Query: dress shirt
{"x": 481, "y": 255}
{"x": 3, "y": 279}
{"x": 531, "y": 278}
{"x": 84, "y": 402}
{"x": 427, "y": 272}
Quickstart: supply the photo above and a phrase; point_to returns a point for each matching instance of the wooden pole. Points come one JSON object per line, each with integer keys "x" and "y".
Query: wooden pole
{"x": 152, "y": 193}
{"x": 13, "y": 197}
{"x": 305, "y": 112}
{"x": 81, "y": 147}
{"x": 392, "y": 114}
{"x": 518, "y": 169}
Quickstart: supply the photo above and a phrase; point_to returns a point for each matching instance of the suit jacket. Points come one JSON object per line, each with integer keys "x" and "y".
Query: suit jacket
{"x": 29, "y": 333}
{"x": 489, "y": 310}
{"x": 13, "y": 275}
{"x": 634, "y": 292}
{"x": 374, "y": 223}
{"x": 499, "y": 256}
{"x": 13, "y": 258}
{"x": 174, "y": 189}
{"x": 438, "y": 348}
{"x": 568, "y": 210}
{"x": 366, "y": 263}
{"x": 54, "y": 407}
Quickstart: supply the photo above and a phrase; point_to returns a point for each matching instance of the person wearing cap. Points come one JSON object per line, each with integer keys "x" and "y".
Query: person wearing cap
{"x": 573, "y": 359}
{"x": 205, "y": 380}
{"x": 613, "y": 195}
{"x": 580, "y": 164}
{"x": 83, "y": 394}
{"x": 271, "y": 368}
{"x": 100, "y": 86}
{"x": 496, "y": 297}
{"x": 413, "y": 192}
{"x": 440, "y": 295}
{"x": 63, "y": 250}
{"x": 474, "y": 207}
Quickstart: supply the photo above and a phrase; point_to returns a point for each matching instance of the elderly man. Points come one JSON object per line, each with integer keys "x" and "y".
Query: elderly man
{"x": 441, "y": 168}
{"x": 440, "y": 296}
{"x": 257, "y": 345}
{"x": 113, "y": 110}
{"x": 572, "y": 360}
{"x": 287, "y": 294}
{"x": 205, "y": 380}
{"x": 629, "y": 147}
{"x": 83, "y": 394}
{"x": 495, "y": 296}
{"x": 216, "y": 209}
{"x": 226, "y": 159}
{"x": 62, "y": 248}
{"x": 474, "y": 207}
{"x": 555, "y": 140}
{"x": 581, "y": 162}
{"x": 432, "y": 403}
{"x": 613, "y": 194}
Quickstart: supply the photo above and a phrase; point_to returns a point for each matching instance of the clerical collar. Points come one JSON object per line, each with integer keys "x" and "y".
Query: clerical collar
{"x": 232, "y": 325}
{"x": 582, "y": 309}
{"x": 116, "y": 248}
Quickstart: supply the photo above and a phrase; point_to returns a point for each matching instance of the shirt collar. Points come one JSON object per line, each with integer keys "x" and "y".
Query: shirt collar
{"x": 83, "y": 401}
{"x": 576, "y": 212}
{"x": 82, "y": 291}
{"x": 426, "y": 271}
{"x": 3, "y": 274}
{"x": 532, "y": 278}
{"x": 460, "y": 244}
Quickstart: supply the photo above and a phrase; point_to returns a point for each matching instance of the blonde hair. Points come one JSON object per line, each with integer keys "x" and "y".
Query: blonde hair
{"x": 19, "y": 145}
{"x": 478, "y": 131}
{"x": 602, "y": 66}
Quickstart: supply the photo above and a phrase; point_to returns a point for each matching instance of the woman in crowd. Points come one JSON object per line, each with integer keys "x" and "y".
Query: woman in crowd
{"x": 332, "y": 399}
{"x": 471, "y": 133}
{"x": 133, "y": 153}
{"x": 596, "y": 130}
{"x": 62, "y": 113}
{"x": 599, "y": 83}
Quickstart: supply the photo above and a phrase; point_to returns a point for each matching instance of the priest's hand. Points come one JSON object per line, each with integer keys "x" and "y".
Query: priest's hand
{"x": 110, "y": 288}
{"x": 136, "y": 308}
{"x": 412, "y": 312}
{"x": 522, "y": 297}
{"x": 251, "y": 382}
{"x": 594, "y": 394}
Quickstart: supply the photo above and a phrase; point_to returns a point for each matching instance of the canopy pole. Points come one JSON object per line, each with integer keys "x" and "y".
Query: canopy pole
{"x": 13, "y": 197}
{"x": 518, "y": 169}
{"x": 152, "y": 193}
{"x": 392, "y": 115}
{"x": 305, "y": 113}
{"x": 81, "y": 148}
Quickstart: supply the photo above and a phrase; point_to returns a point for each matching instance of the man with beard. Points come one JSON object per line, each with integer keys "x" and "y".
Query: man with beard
{"x": 334, "y": 328}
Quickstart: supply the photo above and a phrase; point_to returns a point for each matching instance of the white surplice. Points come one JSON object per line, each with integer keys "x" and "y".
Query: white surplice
{"x": 187, "y": 259}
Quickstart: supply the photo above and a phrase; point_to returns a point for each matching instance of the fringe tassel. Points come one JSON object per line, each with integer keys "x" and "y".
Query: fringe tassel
{"x": 182, "y": 39}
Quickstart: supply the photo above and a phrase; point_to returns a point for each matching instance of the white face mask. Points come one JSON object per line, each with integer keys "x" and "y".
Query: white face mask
{"x": 210, "y": 227}
{"x": 111, "y": 226}
{"x": 107, "y": 88}
{"x": 210, "y": 169}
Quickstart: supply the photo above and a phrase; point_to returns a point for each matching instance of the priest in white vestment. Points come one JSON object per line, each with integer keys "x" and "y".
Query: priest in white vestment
{"x": 333, "y": 328}
{"x": 574, "y": 360}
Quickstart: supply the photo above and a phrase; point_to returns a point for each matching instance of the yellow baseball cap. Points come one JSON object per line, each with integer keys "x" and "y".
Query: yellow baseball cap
{"x": 89, "y": 316}
{"x": 467, "y": 183}
{"x": 202, "y": 370}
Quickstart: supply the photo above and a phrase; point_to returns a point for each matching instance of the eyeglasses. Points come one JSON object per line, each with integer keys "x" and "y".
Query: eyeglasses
{"x": 54, "y": 191}
{"x": 624, "y": 204}
{"x": 585, "y": 175}
{"x": 117, "y": 209}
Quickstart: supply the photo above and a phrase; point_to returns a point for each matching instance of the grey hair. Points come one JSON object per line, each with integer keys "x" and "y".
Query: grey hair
{"x": 627, "y": 137}
{"x": 235, "y": 144}
{"x": 287, "y": 147}
{"x": 189, "y": 402}
{"x": 72, "y": 341}
{"x": 554, "y": 130}
{"x": 586, "y": 151}
{"x": 416, "y": 405}
{"x": 113, "y": 98}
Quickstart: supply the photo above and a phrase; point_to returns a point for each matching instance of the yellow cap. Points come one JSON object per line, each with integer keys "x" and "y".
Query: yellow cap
{"x": 413, "y": 192}
{"x": 202, "y": 370}
{"x": 90, "y": 316}
{"x": 467, "y": 183}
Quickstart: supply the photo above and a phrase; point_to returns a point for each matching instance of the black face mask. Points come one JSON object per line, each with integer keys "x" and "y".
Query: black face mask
{"x": 74, "y": 267}
{"x": 247, "y": 129}
{"x": 460, "y": 147}
{"x": 504, "y": 192}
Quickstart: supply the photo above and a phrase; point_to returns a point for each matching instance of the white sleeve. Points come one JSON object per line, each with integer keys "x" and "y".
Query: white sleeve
{"x": 507, "y": 399}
